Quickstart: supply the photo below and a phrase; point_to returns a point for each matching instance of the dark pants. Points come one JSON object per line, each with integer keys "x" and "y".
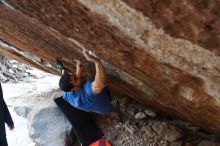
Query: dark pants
{"x": 4, "y": 142}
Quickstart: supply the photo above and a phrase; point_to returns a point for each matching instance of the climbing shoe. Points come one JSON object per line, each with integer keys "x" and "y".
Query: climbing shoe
{"x": 59, "y": 65}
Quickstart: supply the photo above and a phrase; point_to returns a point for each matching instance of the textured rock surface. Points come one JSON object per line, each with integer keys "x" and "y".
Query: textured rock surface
{"x": 22, "y": 111}
{"x": 208, "y": 143}
{"x": 142, "y": 61}
{"x": 197, "y": 20}
{"x": 122, "y": 128}
{"x": 48, "y": 125}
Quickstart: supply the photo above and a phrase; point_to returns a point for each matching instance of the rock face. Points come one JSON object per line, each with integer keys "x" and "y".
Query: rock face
{"x": 142, "y": 61}
{"x": 22, "y": 111}
{"x": 48, "y": 126}
{"x": 197, "y": 21}
{"x": 207, "y": 143}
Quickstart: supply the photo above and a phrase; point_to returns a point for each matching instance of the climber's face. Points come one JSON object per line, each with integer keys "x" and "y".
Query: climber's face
{"x": 76, "y": 81}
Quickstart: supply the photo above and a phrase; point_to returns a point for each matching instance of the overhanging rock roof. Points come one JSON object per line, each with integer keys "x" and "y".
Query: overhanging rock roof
{"x": 178, "y": 76}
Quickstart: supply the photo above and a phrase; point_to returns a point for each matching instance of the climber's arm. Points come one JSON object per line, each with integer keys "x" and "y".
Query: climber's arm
{"x": 78, "y": 67}
{"x": 100, "y": 78}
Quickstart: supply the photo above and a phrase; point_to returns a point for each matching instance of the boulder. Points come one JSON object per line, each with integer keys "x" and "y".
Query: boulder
{"x": 48, "y": 125}
{"x": 140, "y": 116}
{"x": 22, "y": 111}
{"x": 170, "y": 66}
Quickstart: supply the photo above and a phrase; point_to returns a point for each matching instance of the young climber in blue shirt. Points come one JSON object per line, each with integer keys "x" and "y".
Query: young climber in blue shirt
{"x": 90, "y": 95}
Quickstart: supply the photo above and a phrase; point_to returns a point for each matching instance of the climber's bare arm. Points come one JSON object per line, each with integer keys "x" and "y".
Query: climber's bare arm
{"x": 78, "y": 67}
{"x": 100, "y": 78}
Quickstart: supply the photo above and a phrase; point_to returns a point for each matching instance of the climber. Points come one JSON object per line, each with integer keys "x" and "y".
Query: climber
{"x": 5, "y": 117}
{"x": 90, "y": 95}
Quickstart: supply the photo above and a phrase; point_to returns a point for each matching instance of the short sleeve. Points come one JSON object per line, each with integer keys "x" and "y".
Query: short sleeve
{"x": 88, "y": 89}
{"x": 73, "y": 99}
{"x": 65, "y": 95}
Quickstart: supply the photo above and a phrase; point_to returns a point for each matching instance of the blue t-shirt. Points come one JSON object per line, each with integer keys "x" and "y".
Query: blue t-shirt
{"x": 86, "y": 100}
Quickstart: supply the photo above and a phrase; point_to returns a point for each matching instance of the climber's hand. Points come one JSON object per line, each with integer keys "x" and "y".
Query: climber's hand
{"x": 90, "y": 57}
{"x": 78, "y": 63}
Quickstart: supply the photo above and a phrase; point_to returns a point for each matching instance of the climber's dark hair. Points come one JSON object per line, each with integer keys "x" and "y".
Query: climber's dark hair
{"x": 64, "y": 83}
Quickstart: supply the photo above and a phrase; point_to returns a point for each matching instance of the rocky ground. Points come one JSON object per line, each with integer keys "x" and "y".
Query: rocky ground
{"x": 130, "y": 123}
{"x": 14, "y": 71}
